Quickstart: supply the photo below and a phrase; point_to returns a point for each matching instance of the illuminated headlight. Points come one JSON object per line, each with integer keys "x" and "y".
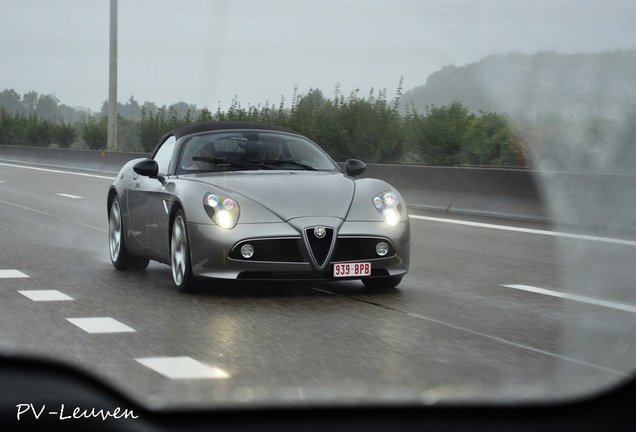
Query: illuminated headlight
{"x": 392, "y": 216}
{"x": 389, "y": 206}
{"x": 222, "y": 210}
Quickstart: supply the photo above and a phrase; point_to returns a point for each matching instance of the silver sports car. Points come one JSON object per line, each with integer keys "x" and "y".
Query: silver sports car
{"x": 255, "y": 201}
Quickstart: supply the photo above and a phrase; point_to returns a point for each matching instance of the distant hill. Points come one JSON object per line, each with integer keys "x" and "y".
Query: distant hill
{"x": 600, "y": 84}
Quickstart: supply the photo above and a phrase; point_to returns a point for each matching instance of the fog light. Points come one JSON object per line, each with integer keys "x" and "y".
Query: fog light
{"x": 382, "y": 249}
{"x": 247, "y": 251}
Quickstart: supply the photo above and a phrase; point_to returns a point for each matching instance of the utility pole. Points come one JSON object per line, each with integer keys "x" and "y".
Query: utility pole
{"x": 112, "y": 84}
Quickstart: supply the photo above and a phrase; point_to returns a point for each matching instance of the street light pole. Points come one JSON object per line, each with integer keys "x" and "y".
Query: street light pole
{"x": 112, "y": 85}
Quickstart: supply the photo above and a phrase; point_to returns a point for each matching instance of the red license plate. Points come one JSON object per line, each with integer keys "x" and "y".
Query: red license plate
{"x": 352, "y": 269}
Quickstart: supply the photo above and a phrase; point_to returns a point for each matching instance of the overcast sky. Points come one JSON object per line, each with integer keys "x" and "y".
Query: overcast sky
{"x": 205, "y": 52}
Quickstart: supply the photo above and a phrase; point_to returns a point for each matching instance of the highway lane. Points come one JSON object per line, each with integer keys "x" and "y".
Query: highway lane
{"x": 453, "y": 330}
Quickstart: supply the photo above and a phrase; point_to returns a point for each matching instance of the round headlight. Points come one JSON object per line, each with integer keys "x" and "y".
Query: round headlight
{"x": 229, "y": 204}
{"x": 389, "y": 206}
{"x": 213, "y": 200}
{"x": 222, "y": 210}
{"x": 224, "y": 219}
{"x": 392, "y": 217}
{"x": 389, "y": 199}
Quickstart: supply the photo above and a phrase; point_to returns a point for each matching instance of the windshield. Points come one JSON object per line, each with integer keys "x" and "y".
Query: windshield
{"x": 251, "y": 150}
{"x": 452, "y": 220}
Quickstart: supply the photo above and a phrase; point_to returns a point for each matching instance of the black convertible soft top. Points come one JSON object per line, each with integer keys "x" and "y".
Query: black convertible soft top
{"x": 220, "y": 125}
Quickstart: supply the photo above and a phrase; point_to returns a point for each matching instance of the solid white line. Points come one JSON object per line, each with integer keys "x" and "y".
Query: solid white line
{"x": 518, "y": 345}
{"x": 589, "y": 300}
{"x": 498, "y": 339}
{"x": 526, "y": 230}
{"x": 52, "y": 215}
{"x": 69, "y": 196}
{"x": 58, "y": 171}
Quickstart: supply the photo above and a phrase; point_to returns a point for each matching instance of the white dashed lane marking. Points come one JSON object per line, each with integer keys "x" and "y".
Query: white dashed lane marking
{"x": 11, "y": 274}
{"x": 100, "y": 325}
{"x": 69, "y": 196}
{"x": 589, "y": 300}
{"x": 181, "y": 368}
{"x": 45, "y": 295}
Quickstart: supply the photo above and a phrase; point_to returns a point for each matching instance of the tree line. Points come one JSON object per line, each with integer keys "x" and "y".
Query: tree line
{"x": 371, "y": 128}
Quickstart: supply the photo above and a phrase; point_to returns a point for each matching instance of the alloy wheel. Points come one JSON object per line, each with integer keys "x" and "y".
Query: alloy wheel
{"x": 179, "y": 251}
{"x": 114, "y": 231}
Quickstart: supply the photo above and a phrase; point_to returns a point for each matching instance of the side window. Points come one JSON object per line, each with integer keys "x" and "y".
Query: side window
{"x": 164, "y": 154}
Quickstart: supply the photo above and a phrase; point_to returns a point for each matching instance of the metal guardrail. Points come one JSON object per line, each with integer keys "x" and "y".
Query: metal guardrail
{"x": 90, "y": 160}
{"x": 510, "y": 193}
{"x": 574, "y": 198}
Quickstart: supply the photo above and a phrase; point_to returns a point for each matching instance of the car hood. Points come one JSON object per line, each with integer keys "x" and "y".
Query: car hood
{"x": 290, "y": 194}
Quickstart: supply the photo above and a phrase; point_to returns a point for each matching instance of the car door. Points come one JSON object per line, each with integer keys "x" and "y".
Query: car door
{"x": 147, "y": 199}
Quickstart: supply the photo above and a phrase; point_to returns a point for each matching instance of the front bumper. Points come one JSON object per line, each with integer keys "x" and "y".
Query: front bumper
{"x": 215, "y": 252}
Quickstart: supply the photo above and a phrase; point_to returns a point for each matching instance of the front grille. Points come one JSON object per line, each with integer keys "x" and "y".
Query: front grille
{"x": 289, "y": 276}
{"x": 273, "y": 250}
{"x": 288, "y": 249}
{"x": 359, "y": 248}
{"x": 320, "y": 247}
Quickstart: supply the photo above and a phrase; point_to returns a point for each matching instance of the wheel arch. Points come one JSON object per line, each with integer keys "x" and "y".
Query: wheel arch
{"x": 174, "y": 208}
{"x": 112, "y": 193}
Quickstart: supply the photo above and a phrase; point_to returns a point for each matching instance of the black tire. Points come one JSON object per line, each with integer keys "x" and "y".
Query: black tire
{"x": 180, "y": 264}
{"x": 116, "y": 243}
{"x": 119, "y": 256}
{"x": 381, "y": 283}
{"x": 138, "y": 264}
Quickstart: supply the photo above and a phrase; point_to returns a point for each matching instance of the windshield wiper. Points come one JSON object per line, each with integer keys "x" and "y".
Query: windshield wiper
{"x": 224, "y": 161}
{"x": 286, "y": 162}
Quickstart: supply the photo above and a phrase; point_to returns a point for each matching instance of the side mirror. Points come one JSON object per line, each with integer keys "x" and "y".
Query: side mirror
{"x": 147, "y": 167}
{"x": 355, "y": 167}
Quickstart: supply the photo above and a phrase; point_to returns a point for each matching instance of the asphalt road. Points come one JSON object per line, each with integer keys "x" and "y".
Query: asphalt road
{"x": 492, "y": 310}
